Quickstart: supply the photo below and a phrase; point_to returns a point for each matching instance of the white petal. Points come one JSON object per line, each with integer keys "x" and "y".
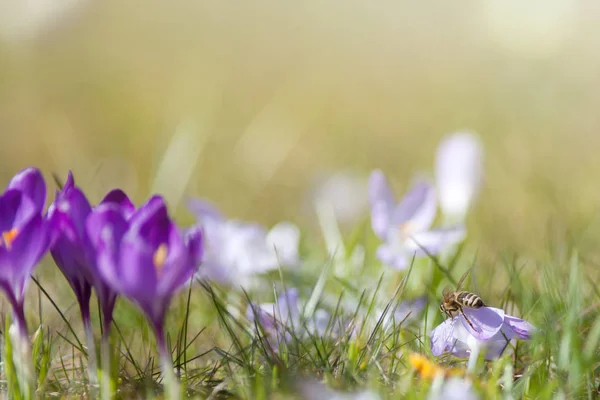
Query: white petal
{"x": 284, "y": 239}
{"x": 458, "y": 169}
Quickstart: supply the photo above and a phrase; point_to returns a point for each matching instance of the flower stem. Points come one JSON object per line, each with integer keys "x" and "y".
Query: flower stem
{"x": 166, "y": 364}
{"x": 473, "y": 358}
{"x": 22, "y": 355}
{"x": 106, "y": 389}
{"x": 91, "y": 349}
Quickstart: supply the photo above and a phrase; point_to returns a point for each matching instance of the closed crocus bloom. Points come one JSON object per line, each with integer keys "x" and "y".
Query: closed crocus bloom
{"x": 458, "y": 170}
{"x": 490, "y": 333}
{"x": 147, "y": 259}
{"x": 405, "y": 226}
{"x": 23, "y": 237}
{"x": 66, "y": 216}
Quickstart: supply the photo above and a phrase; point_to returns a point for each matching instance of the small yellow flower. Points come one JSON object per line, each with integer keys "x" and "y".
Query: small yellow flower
{"x": 428, "y": 369}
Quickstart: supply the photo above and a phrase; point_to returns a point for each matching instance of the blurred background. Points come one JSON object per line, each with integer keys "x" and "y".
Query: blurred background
{"x": 255, "y": 104}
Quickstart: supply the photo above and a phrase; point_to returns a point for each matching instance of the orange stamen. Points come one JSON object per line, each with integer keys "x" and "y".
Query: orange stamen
{"x": 8, "y": 237}
{"x": 160, "y": 256}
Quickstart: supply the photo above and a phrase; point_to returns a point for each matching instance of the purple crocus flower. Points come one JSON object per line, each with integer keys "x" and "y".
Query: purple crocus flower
{"x": 491, "y": 333}
{"x": 404, "y": 227}
{"x": 236, "y": 251}
{"x": 23, "y": 237}
{"x": 66, "y": 216}
{"x": 72, "y": 251}
{"x": 145, "y": 258}
{"x": 458, "y": 172}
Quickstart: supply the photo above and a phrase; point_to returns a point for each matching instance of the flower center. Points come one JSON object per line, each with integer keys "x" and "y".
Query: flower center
{"x": 8, "y": 237}
{"x": 160, "y": 256}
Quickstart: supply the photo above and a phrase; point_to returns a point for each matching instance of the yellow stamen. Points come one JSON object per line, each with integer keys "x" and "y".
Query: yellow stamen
{"x": 160, "y": 256}
{"x": 8, "y": 237}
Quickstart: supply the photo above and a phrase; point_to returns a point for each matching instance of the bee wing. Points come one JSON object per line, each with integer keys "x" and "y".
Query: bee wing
{"x": 447, "y": 291}
{"x": 462, "y": 279}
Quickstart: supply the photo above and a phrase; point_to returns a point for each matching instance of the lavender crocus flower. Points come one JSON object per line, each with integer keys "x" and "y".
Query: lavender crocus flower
{"x": 405, "y": 227}
{"x": 491, "y": 333}
{"x": 458, "y": 172}
{"x": 279, "y": 320}
{"x": 23, "y": 237}
{"x": 237, "y": 251}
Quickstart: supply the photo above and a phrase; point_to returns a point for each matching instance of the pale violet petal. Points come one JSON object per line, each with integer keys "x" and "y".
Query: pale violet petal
{"x": 454, "y": 389}
{"x": 284, "y": 240}
{"x": 382, "y": 203}
{"x": 434, "y": 241}
{"x": 416, "y": 211}
{"x": 442, "y": 337}
{"x": 379, "y": 189}
{"x": 487, "y": 322}
{"x": 458, "y": 170}
{"x": 522, "y": 328}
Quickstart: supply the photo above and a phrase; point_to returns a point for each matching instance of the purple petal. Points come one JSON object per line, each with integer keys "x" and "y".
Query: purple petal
{"x": 27, "y": 248}
{"x": 105, "y": 228}
{"x": 435, "y": 241}
{"x": 417, "y": 208}
{"x": 120, "y": 198}
{"x": 16, "y": 209}
{"x": 154, "y": 208}
{"x": 459, "y": 165}
{"x": 442, "y": 338}
{"x": 382, "y": 203}
{"x": 522, "y": 328}
{"x": 31, "y": 183}
{"x": 487, "y": 321}
{"x": 70, "y": 182}
{"x": 137, "y": 274}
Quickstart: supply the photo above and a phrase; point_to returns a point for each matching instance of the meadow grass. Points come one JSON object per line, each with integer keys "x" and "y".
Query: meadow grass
{"x": 219, "y": 353}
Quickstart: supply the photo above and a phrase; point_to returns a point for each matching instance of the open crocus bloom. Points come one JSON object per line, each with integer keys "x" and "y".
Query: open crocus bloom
{"x": 23, "y": 235}
{"x": 458, "y": 171}
{"x": 236, "y": 251}
{"x": 405, "y": 227}
{"x": 491, "y": 332}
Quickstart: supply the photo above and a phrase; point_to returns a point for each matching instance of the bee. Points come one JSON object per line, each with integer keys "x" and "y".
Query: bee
{"x": 455, "y": 300}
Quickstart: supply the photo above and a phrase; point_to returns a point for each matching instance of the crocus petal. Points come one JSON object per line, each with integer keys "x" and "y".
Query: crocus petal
{"x": 70, "y": 182}
{"x": 487, "y": 321}
{"x": 15, "y": 210}
{"x": 204, "y": 209}
{"x": 391, "y": 256}
{"x": 120, "y": 198}
{"x": 435, "y": 241}
{"x": 523, "y": 329}
{"x": 106, "y": 227}
{"x": 416, "y": 211}
{"x": 454, "y": 389}
{"x": 31, "y": 183}
{"x": 289, "y": 307}
{"x": 137, "y": 273}
{"x": 382, "y": 203}
{"x": 458, "y": 172}
{"x": 442, "y": 338}
{"x": 27, "y": 249}
{"x": 284, "y": 239}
